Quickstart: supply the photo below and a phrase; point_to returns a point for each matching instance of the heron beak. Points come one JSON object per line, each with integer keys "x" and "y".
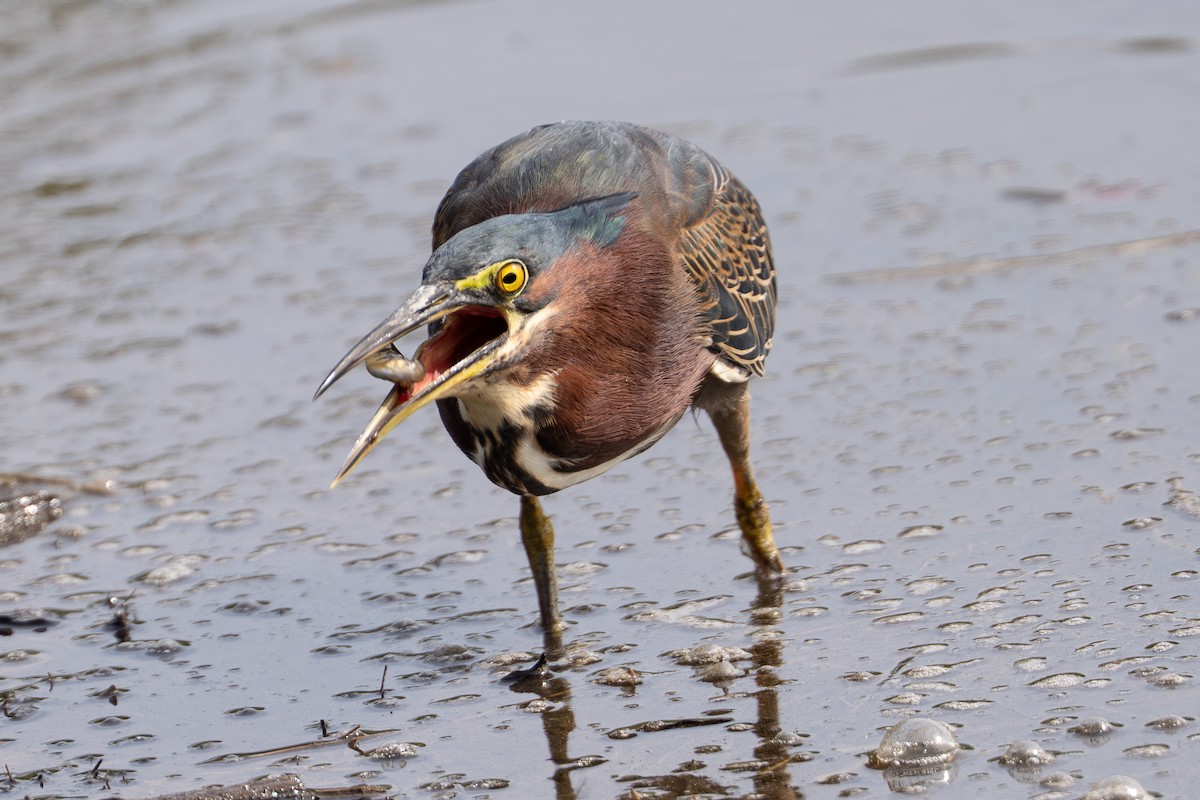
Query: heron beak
{"x": 462, "y": 349}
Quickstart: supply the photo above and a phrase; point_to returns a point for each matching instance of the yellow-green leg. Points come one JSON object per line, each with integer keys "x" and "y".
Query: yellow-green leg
{"x": 537, "y": 534}
{"x": 733, "y": 427}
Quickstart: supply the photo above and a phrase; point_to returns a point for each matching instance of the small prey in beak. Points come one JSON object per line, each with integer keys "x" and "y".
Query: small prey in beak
{"x": 389, "y": 364}
{"x": 462, "y": 346}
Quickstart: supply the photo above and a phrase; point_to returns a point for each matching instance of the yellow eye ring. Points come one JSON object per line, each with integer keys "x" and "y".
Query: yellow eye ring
{"x": 510, "y": 277}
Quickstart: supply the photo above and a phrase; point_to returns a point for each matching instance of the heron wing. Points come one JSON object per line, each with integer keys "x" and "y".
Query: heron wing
{"x": 727, "y": 254}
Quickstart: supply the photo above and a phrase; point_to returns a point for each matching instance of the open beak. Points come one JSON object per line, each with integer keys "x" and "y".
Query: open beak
{"x": 462, "y": 349}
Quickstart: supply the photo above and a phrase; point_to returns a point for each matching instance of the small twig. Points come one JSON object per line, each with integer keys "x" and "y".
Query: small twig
{"x": 351, "y": 737}
{"x": 96, "y": 769}
{"x": 324, "y": 729}
{"x": 776, "y": 766}
{"x": 382, "y": 681}
{"x": 87, "y": 487}
{"x": 903, "y": 663}
{"x": 357, "y": 790}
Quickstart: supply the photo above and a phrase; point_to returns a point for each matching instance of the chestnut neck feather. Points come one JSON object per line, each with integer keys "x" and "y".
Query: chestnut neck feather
{"x": 623, "y": 343}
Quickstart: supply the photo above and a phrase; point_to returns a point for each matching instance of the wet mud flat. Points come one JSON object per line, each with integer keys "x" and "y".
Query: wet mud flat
{"x": 977, "y": 432}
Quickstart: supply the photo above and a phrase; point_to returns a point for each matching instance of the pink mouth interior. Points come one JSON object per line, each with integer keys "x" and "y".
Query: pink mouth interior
{"x": 462, "y": 333}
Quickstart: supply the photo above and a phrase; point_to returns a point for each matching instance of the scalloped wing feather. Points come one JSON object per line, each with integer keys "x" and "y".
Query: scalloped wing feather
{"x": 727, "y": 255}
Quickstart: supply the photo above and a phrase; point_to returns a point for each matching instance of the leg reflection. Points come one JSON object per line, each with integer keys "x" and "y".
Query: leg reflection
{"x": 773, "y": 781}
{"x": 773, "y": 753}
{"x": 558, "y": 720}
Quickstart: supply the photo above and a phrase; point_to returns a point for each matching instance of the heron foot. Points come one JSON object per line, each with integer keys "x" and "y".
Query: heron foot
{"x": 754, "y": 518}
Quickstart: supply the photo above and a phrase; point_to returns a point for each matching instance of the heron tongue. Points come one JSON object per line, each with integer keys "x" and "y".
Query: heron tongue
{"x": 463, "y": 332}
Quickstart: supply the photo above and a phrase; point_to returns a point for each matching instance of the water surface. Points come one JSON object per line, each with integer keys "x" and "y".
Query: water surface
{"x": 981, "y": 469}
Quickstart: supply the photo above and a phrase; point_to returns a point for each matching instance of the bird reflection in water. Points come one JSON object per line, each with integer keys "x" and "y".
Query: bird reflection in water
{"x": 773, "y": 752}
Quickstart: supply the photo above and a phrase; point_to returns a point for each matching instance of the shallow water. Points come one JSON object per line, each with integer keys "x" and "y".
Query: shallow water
{"x": 982, "y": 471}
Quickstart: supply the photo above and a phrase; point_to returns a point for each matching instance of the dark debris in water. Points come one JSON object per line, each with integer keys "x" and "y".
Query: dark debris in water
{"x": 1129, "y": 434}
{"x": 278, "y": 787}
{"x": 1183, "y": 500}
{"x": 681, "y": 784}
{"x": 122, "y": 618}
{"x": 352, "y": 738}
{"x": 27, "y": 515}
{"x": 1156, "y": 44}
{"x": 60, "y": 186}
{"x": 67, "y": 485}
{"x": 1034, "y": 195}
{"x": 524, "y": 678}
{"x": 927, "y": 56}
{"x": 657, "y": 725}
{"x": 37, "y": 620}
{"x": 27, "y": 511}
{"x": 461, "y": 781}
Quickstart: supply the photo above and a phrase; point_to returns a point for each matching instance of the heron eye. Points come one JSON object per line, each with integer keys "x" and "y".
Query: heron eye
{"x": 510, "y": 277}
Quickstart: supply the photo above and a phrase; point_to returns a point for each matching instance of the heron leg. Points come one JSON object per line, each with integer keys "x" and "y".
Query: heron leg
{"x": 537, "y": 534}
{"x": 733, "y": 427}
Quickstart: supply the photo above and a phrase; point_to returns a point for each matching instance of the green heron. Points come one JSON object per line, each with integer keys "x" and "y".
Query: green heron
{"x": 590, "y": 282}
